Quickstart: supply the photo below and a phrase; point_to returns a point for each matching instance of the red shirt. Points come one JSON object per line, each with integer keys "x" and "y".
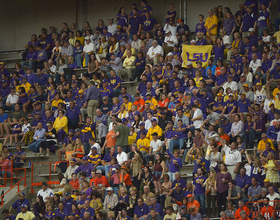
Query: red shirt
{"x": 102, "y": 181}
{"x": 139, "y": 104}
{"x": 75, "y": 184}
{"x": 267, "y": 212}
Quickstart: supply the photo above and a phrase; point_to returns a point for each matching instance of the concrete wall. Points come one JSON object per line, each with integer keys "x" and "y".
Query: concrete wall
{"x": 21, "y": 18}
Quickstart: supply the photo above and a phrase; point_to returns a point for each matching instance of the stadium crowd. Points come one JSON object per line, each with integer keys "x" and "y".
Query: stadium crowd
{"x": 128, "y": 153}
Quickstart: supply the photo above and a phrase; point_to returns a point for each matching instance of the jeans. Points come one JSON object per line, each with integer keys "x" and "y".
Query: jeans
{"x": 72, "y": 123}
{"x": 28, "y": 63}
{"x": 264, "y": 78}
{"x": 35, "y": 146}
{"x": 171, "y": 176}
{"x": 162, "y": 198}
{"x": 211, "y": 209}
{"x": 87, "y": 57}
{"x": 174, "y": 142}
{"x": 78, "y": 60}
{"x": 137, "y": 74}
{"x": 277, "y": 23}
{"x": 222, "y": 199}
{"x": 245, "y": 137}
{"x": 185, "y": 154}
{"x": 254, "y": 135}
{"x": 201, "y": 199}
{"x": 117, "y": 92}
{"x": 57, "y": 78}
{"x": 103, "y": 168}
{"x": 261, "y": 31}
{"x": 8, "y": 174}
{"x": 147, "y": 158}
{"x": 7, "y": 107}
{"x": 87, "y": 147}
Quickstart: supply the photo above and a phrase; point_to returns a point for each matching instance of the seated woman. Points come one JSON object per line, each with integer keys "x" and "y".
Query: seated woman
{"x": 60, "y": 71}
{"x": 132, "y": 201}
{"x": 19, "y": 158}
{"x": 50, "y": 141}
{"x": 78, "y": 50}
{"x": 16, "y": 130}
{"x": 96, "y": 202}
{"x": 123, "y": 200}
{"x": 5, "y": 165}
{"x": 236, "y": 128}
{"x": 146, "y": 177}
{"x": 59, "y": 189}
{"x": 56, "y": 53}
{"x": 39, "y": 208}
{"x": 61, "y": 125}
{"x": 18, "y": 69}
{"x": 79, "y": 150}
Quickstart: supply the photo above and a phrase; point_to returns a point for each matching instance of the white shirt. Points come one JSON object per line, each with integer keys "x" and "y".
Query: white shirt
{"x": 47, "y": 193}
{"x": 110, "y": 126}
{"x": 267, "y": 38}
{"x": 89, "y": 47}
{"x": 155, "y": 144}
{"x": 266, "y": 105}
{"x": 154, "y": 51}
{"x": 12, "y": 99}
{"x": 112, "y": 29}
{"x": 260, "y": 95}
{"x": 226, "y": 40}
{"x": 278, "y": 136}
{"x": 235, "y": 128}
{"x": 69, "y": 171}
{"x": 231, "y": 157}
{"x": 25, "y": 128}
{"x": 148, "y": 124}
{"x": 98, "y": 149}
{"x": 273, "y": 197}
{"x": 173, "y": 28}
{"x": 248, "y": 169}
{"x": 121, "y": 157}
{"x": 273, "y": 123}
{"x": 171, "y": 38}
{"x": 232, "y": 85}
{"x": 255, "y": 64}
{"x": 53, "y": 68}
{"x": 136, "y": 44}
{"x": 197, "y": 123}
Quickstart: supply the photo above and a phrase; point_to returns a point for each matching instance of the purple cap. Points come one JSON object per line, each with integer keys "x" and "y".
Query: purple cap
{"x": 177, "y": 102}
{"x": 124, "y": 120}
{"x": 71, "y": 130}
{"x": 141, "y": 123}
{"x": 154, "y": 119}
{"x": 104, "y": 81}
{"x": 85, "y": 158}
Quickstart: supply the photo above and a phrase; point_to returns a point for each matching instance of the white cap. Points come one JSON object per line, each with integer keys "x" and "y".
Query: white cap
{"x": 169, "y": 54}
{"x": 251, "y": 29}
{"x": 87, "y": 38}
{"x": 189, "y": 63}
{"x": 167, "y": 31}
{"x": 109, "y": 189}
{"x": 193, "y": 41}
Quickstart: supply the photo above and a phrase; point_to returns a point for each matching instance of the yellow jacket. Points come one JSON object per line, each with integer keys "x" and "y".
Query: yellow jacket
{"x": 58, "y": 123}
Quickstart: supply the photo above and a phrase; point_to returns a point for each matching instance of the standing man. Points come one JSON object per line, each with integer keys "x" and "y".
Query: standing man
{"x": 92, "y": 98}
{"x": 122, "y": 133}
{"x": 135, "y": 24}
{"x": 211, "y": 25}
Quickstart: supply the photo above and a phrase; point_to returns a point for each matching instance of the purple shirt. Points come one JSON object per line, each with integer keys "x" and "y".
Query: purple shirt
{"x": 123, "y": 20}
{"x": 135, "y": 22}
{"x": 199, "y": 189}
{"x": 219, "y": 52}
{"x": 248, "y": 21}
{"x": 148, "y": 23}
{"x": 260, "y": 125}
{"x": 32, "y": 56}
{"x": 243, "y": 105}
{"x": 42, "y": 55}
{"x": 229, "y": 24}
{"x": 85, "y": 168}
{"x": 140, "y": 211}
{"x": 200, "y": 28}
{"x": 24, "y": 99}
{"x": 173, "y": 167}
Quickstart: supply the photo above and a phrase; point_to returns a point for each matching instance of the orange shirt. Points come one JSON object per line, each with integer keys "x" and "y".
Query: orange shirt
{"x": 267, "y": 212}
{"x": 237, "y": 213}
{"x": 101, "y": 181}
{"x": 195, "y": 204}
{"x": 92, "y": 182}
{"x": 244, "y": 219}
{"x": 75, "y": 184}
{"x": 139, "y": 103}
{"x": 79, "y": 150}
{"x": 162, "y": 103}
{"x": 110, "y": 141}
{"x": 127, "y": 179}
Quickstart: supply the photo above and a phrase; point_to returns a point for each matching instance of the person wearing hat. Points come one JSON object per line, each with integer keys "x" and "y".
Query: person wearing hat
{"x": 154, "y": 53}
{"x": 88, "y": 49}
{"x": 171, "y": 60}
{"x": 260, "y": 94}
{"x": 249, "y": 20}
{"x": 219, "y": 104}
{"x": 244, "y": 106}
{"x": 249, "y": 94}
{"x": 154, "y": 129}
{"x": 17, "y": 204}
{"x": 24, "y": 214}
{"x": 182, "y": 29}
{"x": 71, "y": 169}
{"x": 81, "y": 103}
{"x": 153, "y": 103}
{"x": 100, "y": 182}
{"x": 45, "y": 192}
{"x": 143, "y": 143}
{"x": 155, "y": 145}
{"x": 171, "y": 25}
{"x": 106, "y": 90}
{"x": 169, "y": 42}
{"x": 111, "y": 200}
{"x": 192, "y": 203}
{"x": 86, "y": 167}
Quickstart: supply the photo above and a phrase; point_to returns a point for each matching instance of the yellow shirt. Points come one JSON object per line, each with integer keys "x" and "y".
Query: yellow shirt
{"x": 153, "y": 103}
{"x": 28, "y": 216}
{"x": 152, "y": 130}
{"x": 27, "y": 87}
{"x": 277, "y": 104}
{"x": 197, "y": 81}
{"x": 81, "y": 39}
{"x": 132, "y": 138}
{"x": 133, "y": 52}
{"x": 129, "y": 62}
{"x": 274, "y": 93}
{"x": 58, "y": 123}
{"x": 277, "y": 35}
{"x": 72, "y": 41}
{"x": 210, "y": 21}
{"x": 145, "y": 142}
{"x": 261, "y": 145}
{"x": 127, "y": 106}
{"x": 56, "y": 102}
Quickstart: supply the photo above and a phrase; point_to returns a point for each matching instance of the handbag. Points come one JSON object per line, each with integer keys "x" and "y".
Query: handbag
{"x": 208, "y": 192}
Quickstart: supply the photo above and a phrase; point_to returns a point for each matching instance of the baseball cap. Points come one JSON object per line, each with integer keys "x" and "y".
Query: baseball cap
{"x": 230, "y": 94}
{"x": 148, "y": 93}
{"x": 155, "y": 134}
{"x": 23, "y": 206}
{"x": 154, "y": 119}
{"x": 4, "y": 81}
{"x": 104, "y": 81}
{"x": 169, "y": 54}
{"x": 199, "y": 62}
{"x": 81, "y": 91}
{"x": 21, "y": 194}
{"x": 223, "y": 119}
{"x": 170, "y": 122}
{"x": 143, "y": 132}
{"x": 277, "y": 64}
{"x": 71, "y": 130}
{"x": 141, "y": 123}
{"x": 243, "y": 93}
{"x": 24, "y": 77}
{"x": 124, "y": 120}
{"x": 109, "y": 189}
{"x": 74, "y": 81}
{"x": 190, "y": 195}
{"x": 85, "y": 158}
{"x": 98, "y": 171}
{"x": 246, "y": 85}
{"x": 73, "y": 160}
{"x": 251, "y": 29}
{"x": 167, "y": 31}
{"x": 2, "y": 63}
{"x": 266, "y": 181}
{"x": 258, "y": 84}
{"x": 93, "y": 148}
{"x": 180, "y": 20}
{"x": 232, "y": 57}
{"x": 77, "y": 129}
{"x": 183, "y": 207}
{"x": 219, "y": 94}
{"x": 87, "y": 38}
{"x": 110, "y": 18}
{"x": 105, "y": 27}
{"x": 271, "y": 104}
{"x": 119, "y": 26}
{"x": 177, "y": 102}
{"x": 189, "y": 63}
{"x": 67, "y": 194}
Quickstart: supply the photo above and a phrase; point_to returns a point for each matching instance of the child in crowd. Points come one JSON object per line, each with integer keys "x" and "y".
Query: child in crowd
{"x": 15, "y": 133}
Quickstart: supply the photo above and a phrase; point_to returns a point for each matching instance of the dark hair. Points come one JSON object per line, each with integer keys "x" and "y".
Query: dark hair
{"x": 83, "y": 174}
{"x": 60, "y": 176}
{"x": 39, "y": 45}
{"x": 5, "y": 211}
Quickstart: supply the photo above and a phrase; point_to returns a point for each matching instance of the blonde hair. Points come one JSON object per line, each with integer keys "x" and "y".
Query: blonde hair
{"x": 212, "y": 179}
{"x": 112, "y": 214}
{"x": 116, "y": 99}
{"x": 68, "y": 188}
{"x": 78, "y": 146}
{"x": 69, "y": 147}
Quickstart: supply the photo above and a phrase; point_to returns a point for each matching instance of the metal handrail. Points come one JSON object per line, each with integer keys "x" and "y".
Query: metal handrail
{"x": 50, "y": 182}
{"x": 12, "y": 51}
{"x": 2, "y": 197}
